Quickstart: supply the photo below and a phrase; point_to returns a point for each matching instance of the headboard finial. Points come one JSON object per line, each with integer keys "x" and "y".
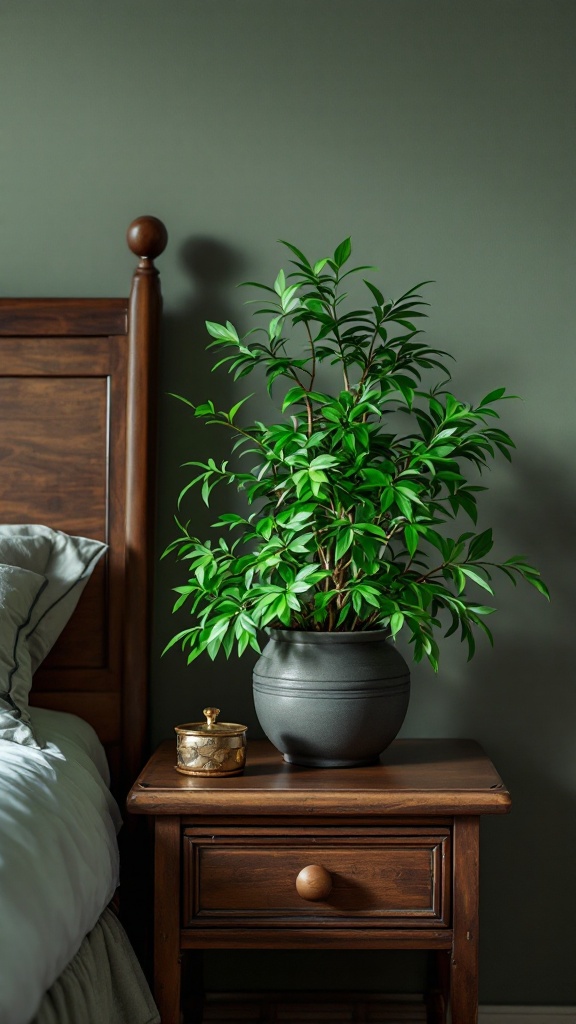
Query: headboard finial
{"x": 147, "y": 237}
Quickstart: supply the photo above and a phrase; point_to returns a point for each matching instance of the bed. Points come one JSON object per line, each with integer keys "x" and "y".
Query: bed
{"x": 77, "y": 445}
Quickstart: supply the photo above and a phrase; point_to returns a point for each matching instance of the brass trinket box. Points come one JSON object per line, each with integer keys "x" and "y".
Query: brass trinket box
{"x": 211, "y": 748}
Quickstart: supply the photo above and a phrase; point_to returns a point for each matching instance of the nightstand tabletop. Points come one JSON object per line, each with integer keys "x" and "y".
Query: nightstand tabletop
{"x": 413, "y": 777}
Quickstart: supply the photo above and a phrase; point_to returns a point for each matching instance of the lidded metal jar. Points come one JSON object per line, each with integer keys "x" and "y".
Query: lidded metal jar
{"x": 211, "y": 748}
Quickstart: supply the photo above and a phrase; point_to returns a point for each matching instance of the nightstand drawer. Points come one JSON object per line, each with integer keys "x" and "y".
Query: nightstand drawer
{"x": 372, "y": 876}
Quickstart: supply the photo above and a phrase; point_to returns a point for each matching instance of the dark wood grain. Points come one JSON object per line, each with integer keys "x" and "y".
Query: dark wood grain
{"x": 39, "y": 318}
{"x": 53, "y": 442}
{"x": 393, "y": 847}
{"x": 147, "y": 237}
{"x": 305, "y": 937}
{"x": 464, "y": 959}
{"x": 77, "y": 415}
{"x": 374, "y": 877}
{"x": 167, "y": 956}
{"x": 414, "y": 777}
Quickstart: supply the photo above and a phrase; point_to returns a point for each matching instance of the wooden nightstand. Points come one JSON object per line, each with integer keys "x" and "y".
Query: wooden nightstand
{"x": 391, "y": 853}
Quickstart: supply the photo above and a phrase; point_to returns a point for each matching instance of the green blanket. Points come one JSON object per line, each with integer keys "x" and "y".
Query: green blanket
{"x": 103, "y": 984}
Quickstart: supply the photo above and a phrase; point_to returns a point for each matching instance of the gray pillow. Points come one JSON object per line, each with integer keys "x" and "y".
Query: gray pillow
{"x": 20, "y": 592}
{"x": 66, "y": 562}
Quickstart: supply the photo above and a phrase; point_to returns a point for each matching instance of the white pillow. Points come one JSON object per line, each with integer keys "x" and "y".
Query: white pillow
{"x": 20, "y": 592}
{"x": 66, "y": 562}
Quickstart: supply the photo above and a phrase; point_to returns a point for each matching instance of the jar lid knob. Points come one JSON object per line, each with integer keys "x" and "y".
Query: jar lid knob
{"x": 211, "y": 715}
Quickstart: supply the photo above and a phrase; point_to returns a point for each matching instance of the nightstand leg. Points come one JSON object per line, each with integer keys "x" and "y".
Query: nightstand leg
{"x": 464, "y": 959}
{"x": 167, "y": 957}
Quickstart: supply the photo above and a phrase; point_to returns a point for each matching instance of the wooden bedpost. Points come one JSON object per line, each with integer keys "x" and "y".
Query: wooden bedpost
{"x": 147, "y": 238}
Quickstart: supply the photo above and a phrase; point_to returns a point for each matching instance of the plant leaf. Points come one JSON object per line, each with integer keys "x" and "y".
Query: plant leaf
{"x": 342, "y": 252}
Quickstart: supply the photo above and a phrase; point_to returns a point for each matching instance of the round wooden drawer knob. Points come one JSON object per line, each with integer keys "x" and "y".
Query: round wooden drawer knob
{"x": 314, "y": 882}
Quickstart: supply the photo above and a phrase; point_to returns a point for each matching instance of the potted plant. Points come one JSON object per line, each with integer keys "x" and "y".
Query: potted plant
{"x": 352, "y": 494}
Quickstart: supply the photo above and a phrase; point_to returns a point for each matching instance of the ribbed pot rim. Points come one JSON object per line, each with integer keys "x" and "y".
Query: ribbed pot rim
{"x": 296, "y": 636}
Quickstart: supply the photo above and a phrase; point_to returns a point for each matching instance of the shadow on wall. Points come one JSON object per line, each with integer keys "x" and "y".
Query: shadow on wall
{"x": 524, "y": 691}
{"x": 525, "y": 684}
{"x": 519, "y": 702}
{"x": 528, "y": 709}
{"x": 214, "y": 269}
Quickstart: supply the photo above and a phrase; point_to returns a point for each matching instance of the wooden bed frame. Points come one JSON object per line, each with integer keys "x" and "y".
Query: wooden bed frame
{"x": 77, "y": 453}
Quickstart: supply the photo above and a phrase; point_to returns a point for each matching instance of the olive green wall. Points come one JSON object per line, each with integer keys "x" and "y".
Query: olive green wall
{"x": 440, "y": 135}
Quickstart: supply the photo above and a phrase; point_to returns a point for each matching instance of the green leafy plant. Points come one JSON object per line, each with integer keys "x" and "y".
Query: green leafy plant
{"x": 354, "y": 492}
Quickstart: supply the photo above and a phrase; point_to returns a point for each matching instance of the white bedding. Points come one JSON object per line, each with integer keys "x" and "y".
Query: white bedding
{"x": 58, "y": 855}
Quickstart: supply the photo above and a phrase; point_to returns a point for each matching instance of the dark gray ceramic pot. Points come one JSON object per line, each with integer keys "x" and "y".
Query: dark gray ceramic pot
{"x": 331, "y": 700}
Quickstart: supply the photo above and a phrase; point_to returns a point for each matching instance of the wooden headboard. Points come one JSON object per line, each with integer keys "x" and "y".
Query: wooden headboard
{"x": 77, "y": 453}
